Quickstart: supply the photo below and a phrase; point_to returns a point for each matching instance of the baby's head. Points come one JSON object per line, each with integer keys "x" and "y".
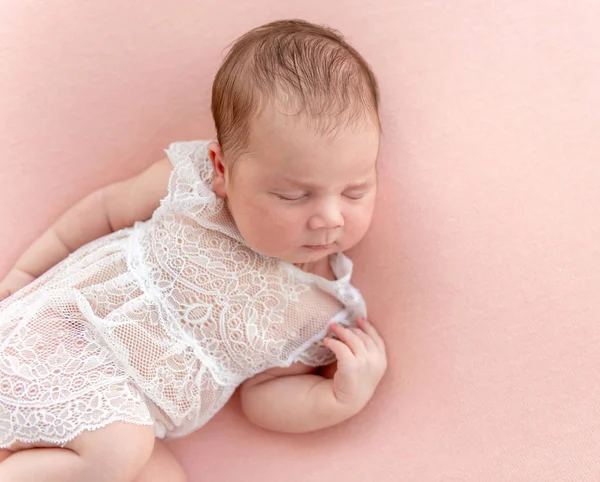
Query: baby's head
{"x": 296, "y": 113}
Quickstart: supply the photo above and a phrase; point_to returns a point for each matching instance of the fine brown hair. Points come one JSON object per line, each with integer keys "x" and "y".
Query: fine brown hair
{"x": 309, "y": 68}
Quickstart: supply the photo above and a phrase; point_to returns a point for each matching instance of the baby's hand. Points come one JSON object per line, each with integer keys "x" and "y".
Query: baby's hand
{"x": 14, "y": 281}
{"x": 361, "y": 362}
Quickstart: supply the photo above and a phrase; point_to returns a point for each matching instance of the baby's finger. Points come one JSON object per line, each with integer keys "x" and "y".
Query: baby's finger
{"x": 370, "y": 330}
{"x": 366, "y": 339}
{"x": 349, "y": 338}
{"x": 339, "y": 349}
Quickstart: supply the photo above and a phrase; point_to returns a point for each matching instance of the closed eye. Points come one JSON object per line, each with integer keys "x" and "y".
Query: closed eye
{"x": 291, "y": 196}
{"x": 354, "y": 194}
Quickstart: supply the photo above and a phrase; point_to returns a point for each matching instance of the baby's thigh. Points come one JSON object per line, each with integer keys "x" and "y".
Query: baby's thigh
{"x": 119, "y": 450}
{"x": 162, "y": 466}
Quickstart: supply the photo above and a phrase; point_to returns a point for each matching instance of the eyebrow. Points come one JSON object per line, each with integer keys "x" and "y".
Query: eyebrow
{"x": 297, "y": 183}
{"x": 359, "y": 186}
{"x": 308, "y": 186}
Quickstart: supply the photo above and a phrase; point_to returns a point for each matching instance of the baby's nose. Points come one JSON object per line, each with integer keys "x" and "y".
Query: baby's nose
{"x": 328, "y": 217}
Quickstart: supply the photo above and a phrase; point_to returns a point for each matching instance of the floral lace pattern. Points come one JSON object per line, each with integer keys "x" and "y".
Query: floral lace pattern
{"x": 159, "y": 324}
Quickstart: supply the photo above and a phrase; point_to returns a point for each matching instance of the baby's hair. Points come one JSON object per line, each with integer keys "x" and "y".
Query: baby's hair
{"x": 308, "y": 69}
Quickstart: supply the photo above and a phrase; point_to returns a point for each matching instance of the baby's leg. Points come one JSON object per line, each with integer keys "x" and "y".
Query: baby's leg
{"x": 115, "y": 453}
{"x": 162, "y": 466}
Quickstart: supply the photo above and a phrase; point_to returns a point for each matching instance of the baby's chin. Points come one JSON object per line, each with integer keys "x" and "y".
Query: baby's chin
{"x": 305, "y": 255}
{"x": 299, "y": 255}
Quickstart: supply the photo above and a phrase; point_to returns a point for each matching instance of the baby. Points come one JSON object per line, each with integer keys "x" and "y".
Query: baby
{"x": 139, "y": 313}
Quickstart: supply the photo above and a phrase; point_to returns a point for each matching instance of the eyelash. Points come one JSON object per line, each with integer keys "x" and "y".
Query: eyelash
{"x": 355, "y": 197}
{"x": 290, "y": 199}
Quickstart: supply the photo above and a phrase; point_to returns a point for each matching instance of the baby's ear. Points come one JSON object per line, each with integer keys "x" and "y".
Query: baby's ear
{"x": 219, "y": 170}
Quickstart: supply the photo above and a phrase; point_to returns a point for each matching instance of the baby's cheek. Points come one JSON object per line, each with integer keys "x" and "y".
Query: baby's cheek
{"x": 282, "y": 229}
{"x": 269, "y": 226}
{"x": 357, "y": 226}
{"x": 248, "y": 220}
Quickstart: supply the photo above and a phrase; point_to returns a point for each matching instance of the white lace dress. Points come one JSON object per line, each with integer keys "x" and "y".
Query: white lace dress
{"x": 158, "y": 324}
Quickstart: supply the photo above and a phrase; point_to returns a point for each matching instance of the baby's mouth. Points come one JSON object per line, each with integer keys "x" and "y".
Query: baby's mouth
{"x": 319, "y": 246}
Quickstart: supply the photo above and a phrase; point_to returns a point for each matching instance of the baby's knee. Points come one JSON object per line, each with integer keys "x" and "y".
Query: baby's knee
{"x": 180, "y": 476}
{"x": 118, "y": 451}
{"x": 171, "y": 473}
{"x": 162, "y": 466}
{"x": 176, "y": 474}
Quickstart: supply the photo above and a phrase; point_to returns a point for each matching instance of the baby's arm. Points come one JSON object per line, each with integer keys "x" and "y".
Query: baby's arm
{"x": 295, "y": 400}
{"x": 106, "y": 210}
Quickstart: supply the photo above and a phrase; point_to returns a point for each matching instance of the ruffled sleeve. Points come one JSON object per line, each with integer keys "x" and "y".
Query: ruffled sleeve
{"x": 192, "y": 173}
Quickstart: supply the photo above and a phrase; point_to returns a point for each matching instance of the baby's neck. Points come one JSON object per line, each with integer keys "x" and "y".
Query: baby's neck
{"x": 321, "y": 268}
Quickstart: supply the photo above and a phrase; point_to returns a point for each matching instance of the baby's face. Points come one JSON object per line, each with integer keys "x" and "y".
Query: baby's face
{"x": 298, "y": 195}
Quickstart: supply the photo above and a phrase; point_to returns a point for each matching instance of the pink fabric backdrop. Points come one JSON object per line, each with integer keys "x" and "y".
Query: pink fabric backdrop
{"x": 483, "y": 266}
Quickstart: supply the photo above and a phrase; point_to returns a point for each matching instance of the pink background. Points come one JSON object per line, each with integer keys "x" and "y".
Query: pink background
{"x": 483, "y": 266}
